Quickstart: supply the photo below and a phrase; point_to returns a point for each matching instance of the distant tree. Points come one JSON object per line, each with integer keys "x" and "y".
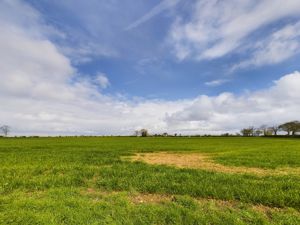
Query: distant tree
{"x": 136, "y": 133}
{"x": 290, "y": 127}
{"x": 274, "y": 129}
{"x": 245, "y": 132}
{"x": 286, "y": 127}
{"x": 144, "y": 132}
{"x": 248, "y": 131}
{"x": 5, "y": 130}
{"x": 295, "y": 127}
{"x": 165, "y": 134}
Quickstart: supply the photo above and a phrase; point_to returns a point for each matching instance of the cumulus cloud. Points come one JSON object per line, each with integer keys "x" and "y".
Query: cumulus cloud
{"x": 217, "y": 28}
{"x": 227, "y": 112}
{"x": 40, "y": 93}
{"x": 102, "y": 80}
{"x": 28, "y": 58}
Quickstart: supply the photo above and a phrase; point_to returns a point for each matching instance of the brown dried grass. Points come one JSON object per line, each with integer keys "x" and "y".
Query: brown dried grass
{"x": 155, "y": 198}
{"x": 205, "y": 162}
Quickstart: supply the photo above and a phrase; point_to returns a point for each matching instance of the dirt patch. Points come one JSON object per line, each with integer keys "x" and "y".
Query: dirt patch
{"x": 149, "y": 198}
{"x": 136, "y": 198}
{"x": 205, "y": 162}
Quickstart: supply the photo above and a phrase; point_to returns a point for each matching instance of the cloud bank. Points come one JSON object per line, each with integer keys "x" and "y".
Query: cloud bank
{"x": 228, "y": 112}
{"x": 40, "y": 93}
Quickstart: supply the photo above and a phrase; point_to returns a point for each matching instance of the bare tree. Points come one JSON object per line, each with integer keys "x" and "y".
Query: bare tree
{"x": 274, "y": 129}
{"x": 5, "y": 130}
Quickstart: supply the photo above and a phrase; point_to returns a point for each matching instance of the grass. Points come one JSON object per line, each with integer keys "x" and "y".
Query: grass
{"x": 49, "y": 181}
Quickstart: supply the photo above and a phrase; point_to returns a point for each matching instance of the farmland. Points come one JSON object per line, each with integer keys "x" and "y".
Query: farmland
{"x": 115, "y": 180}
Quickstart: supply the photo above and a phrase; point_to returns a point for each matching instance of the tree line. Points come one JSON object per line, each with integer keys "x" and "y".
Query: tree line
{"x": 291, "y": 128}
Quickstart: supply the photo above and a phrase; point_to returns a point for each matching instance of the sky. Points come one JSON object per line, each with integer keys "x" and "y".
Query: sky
{"x": 110, "y": 67}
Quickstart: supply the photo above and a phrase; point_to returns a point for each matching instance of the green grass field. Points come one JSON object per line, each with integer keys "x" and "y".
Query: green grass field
{"x": 89, "y": 181}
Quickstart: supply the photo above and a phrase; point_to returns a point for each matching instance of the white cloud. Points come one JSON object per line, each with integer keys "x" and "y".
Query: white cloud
{"x": 39, "y": 95}
{"x": 217, "y": 28}
{"x": 102, "y": 80}
{"x": 28, "y": 59}
{"x": 275, "y": 48}
{"x": 227, "y": 112}
{"x": 86, "y": 51}
{"x": 163, "y": 5}
{"x": 215, "y": 83}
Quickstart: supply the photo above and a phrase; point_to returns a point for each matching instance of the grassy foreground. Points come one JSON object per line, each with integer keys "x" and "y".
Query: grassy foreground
{"x": 87, "y": 181}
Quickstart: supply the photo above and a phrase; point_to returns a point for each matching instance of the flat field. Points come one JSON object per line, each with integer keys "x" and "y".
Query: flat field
{"x": 130, "y": 180}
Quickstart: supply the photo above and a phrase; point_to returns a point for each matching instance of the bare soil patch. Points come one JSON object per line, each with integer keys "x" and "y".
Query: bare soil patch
{"x": 205, "y": 162}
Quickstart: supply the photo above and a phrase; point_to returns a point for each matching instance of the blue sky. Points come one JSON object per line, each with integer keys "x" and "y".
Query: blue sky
{"x": 138, "y": 57}
{"x": 140, "y": 61}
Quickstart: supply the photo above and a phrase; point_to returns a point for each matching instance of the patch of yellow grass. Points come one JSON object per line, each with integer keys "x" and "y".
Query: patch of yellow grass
{"x": 204, "y": 162}
{"x": 156, "y": 198}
